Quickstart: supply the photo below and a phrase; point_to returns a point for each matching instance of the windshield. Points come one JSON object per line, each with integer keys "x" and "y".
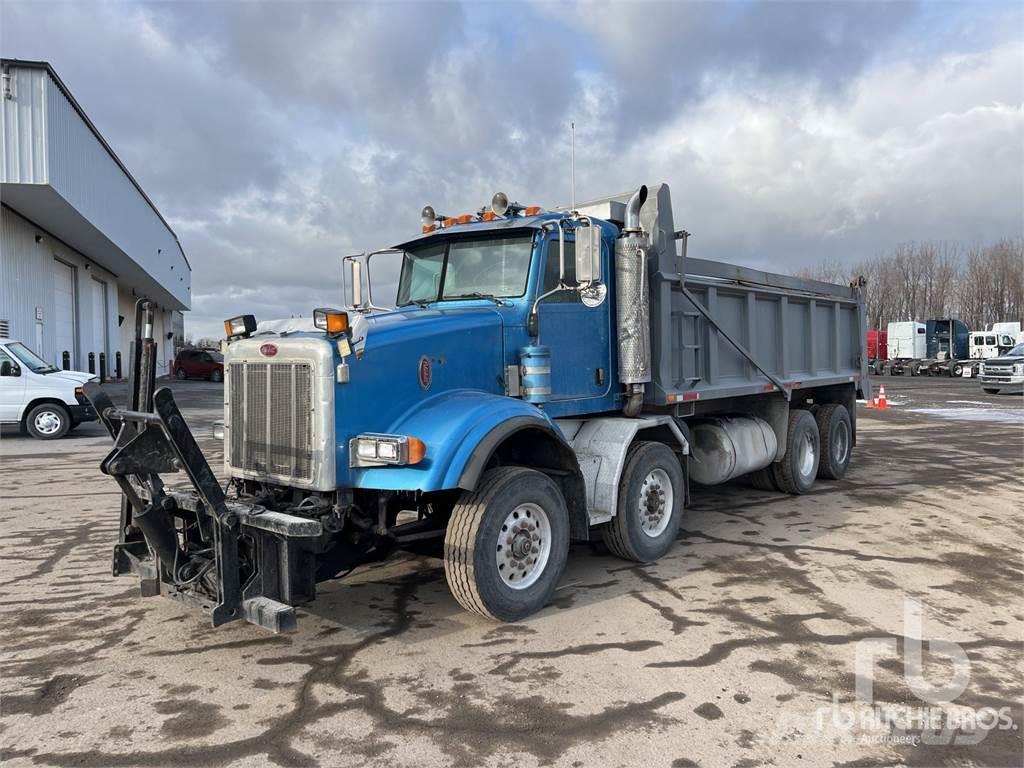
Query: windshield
{"x": 493, "y": 267}
{"x": 1017, "y": 351}
{"x": 29, "y": 359}
{"x": 217, "y": 356}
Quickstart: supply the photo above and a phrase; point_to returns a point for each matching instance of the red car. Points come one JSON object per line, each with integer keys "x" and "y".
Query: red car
{"x": 199, "y": 364}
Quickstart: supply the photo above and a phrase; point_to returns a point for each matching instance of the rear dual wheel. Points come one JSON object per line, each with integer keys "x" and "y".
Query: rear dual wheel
{"x": 796, "y": 471}
{"x": 836, "y": 434}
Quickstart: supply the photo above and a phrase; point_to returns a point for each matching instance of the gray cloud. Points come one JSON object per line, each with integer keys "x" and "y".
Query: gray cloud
{"x": 279, "y": 136}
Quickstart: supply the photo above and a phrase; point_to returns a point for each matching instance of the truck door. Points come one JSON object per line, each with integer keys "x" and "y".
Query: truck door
{"x": 12, "y": 388}
{"x": 578, "y": 335}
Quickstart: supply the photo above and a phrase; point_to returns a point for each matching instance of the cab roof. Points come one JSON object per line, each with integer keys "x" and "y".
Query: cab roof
{"x": 507, "y": 224}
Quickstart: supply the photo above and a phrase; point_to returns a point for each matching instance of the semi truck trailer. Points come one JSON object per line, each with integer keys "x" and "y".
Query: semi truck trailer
{"x": 545, "y": 376}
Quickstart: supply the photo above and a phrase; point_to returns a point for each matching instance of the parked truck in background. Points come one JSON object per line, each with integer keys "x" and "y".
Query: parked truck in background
{"x": 545, "y": 376}
{"x": 878, "y": 350}
{"x": 945, "y": 347}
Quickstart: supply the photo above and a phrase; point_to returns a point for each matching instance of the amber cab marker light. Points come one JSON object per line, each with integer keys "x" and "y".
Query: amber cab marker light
{"x": 533, "y": 210}
{"x": 334, "y": 321}
{"x": 488, "y": 216}
{"x": 417, "y": 450}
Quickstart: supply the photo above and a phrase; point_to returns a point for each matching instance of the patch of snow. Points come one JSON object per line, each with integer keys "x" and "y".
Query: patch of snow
{"x": 975, "y": 414}
{"x": 969, "y": 402}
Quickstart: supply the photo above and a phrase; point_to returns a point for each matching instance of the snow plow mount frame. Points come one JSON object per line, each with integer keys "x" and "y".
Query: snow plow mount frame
{"x": 232, "y": 559}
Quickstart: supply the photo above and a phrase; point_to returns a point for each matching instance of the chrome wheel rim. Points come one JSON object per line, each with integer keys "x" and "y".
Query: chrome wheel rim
{"x": 524, "y": 546}
{"x": 841, "y": 443}
{"x": 47, "y": 422}
{"x": 805, "y": 455}
{"x": 656, "y": 503}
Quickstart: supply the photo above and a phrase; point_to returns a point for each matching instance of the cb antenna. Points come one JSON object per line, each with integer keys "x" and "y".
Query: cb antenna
{"x": 572, "y": 166}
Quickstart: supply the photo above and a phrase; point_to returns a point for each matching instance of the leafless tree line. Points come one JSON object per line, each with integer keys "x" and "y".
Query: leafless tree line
{"x": 931, "y": 280}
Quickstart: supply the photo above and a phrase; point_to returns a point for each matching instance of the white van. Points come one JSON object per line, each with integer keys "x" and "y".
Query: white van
{"x": 44, "y": 401}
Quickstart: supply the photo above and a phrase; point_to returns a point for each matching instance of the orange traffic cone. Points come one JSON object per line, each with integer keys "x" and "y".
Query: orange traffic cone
{"x": 870, "y": 403}
{"x": 883, "y": 404}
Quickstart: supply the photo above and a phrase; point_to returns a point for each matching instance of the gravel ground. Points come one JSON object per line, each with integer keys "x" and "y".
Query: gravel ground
{"x": 737, "y": 649}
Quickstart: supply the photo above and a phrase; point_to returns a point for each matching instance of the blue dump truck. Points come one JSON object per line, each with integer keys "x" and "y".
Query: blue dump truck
{"x": 545, "y": 376}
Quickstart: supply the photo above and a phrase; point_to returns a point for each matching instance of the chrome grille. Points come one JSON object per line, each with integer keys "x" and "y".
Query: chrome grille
{"x": 271, "y": 421}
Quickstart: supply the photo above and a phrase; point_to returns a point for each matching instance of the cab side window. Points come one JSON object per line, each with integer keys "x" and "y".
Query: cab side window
{"x": 551, "y": 273}
{"x": 5, "y": 358}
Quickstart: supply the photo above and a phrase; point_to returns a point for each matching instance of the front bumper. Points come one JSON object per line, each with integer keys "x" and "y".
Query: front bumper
{"x": 81, "y": 413}
{"x": 1002, "y": 382}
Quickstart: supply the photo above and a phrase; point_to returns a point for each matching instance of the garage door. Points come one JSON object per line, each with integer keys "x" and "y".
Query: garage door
{"x": 64, "y": 312}
{"x": 99, "y": 318}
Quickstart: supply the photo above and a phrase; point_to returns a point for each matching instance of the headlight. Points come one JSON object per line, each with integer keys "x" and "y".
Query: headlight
{"x": 378, "y": 450}
{"x": 1018, "y": 369}
{"x": 981, "y": 368}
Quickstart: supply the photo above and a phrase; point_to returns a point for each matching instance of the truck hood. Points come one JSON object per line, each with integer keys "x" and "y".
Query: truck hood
{"x": 408, "y": 326}
{"x": 411, "y": 356}
{"x": 1004, "y": 360}
{"x": 78, "y": 377}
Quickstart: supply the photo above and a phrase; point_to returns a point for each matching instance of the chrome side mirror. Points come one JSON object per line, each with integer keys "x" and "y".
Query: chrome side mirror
{"x": 588, "y": 254}
{"x": 356, "y": 268}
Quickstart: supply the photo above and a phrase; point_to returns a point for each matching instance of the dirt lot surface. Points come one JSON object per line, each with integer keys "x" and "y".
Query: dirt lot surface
{"x": 738, "y": 649}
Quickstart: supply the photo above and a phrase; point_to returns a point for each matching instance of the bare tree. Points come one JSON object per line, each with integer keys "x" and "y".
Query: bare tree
{"x": 935, "y": 280}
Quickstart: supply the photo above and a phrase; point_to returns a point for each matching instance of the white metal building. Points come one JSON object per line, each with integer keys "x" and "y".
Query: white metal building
{"x": 80, "y": 241}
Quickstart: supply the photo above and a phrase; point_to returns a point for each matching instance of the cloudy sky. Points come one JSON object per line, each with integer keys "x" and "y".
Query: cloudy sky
{"x": 278, "y": 137}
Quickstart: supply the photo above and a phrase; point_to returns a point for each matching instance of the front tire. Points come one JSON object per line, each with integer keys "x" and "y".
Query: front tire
{"x": 48, "y": 421}
{"x": 796, "y": 472}
{"x": 835, "y": 432}
{"x": 650, "y": 507}
{"x": 216, "y": 377}
{"x": 180, "y": 374}
{"x": 507, "y": 543}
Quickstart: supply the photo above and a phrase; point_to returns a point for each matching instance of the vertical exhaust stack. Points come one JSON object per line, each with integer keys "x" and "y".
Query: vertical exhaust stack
{"x": 633, "y": 305}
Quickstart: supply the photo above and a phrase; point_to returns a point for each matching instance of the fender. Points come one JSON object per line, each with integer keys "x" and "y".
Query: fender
{"x": 460, "y": 428}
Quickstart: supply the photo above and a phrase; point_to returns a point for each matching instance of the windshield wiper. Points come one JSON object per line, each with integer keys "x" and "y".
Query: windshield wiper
{"x": 478, "y": 295}
{"x": 417, "y": 302}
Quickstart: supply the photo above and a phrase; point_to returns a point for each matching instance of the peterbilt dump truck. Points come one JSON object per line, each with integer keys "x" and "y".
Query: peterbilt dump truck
{"x": 545, "y": 376}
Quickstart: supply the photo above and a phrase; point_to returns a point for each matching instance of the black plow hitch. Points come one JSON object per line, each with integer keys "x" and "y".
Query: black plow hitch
{"x": 234, "y": 560}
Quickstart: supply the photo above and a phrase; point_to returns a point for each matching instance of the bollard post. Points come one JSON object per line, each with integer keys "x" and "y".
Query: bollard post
{"x": 103, "y": 367}
{"x": 65, "y": 360}
{"x": 117, "y": 364}
{"x": 92, "y": 362}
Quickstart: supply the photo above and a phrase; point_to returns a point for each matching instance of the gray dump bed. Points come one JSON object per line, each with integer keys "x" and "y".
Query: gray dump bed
{"x": 726, "y": 330}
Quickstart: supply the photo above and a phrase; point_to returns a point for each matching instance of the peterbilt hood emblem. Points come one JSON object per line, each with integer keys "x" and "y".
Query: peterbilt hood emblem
{"x": 426, "y": 373}
{"x": 268, "y": 350}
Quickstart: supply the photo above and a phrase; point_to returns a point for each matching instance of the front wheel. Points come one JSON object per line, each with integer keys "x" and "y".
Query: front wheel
{"x": 180, "y": 374}
{"x": 216, "y": 377}
{"x": 650, "y": 507}
{"x": 48, "y": 421}
{"x": 957, "y": 370}
{"x": 506, "y": 544}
